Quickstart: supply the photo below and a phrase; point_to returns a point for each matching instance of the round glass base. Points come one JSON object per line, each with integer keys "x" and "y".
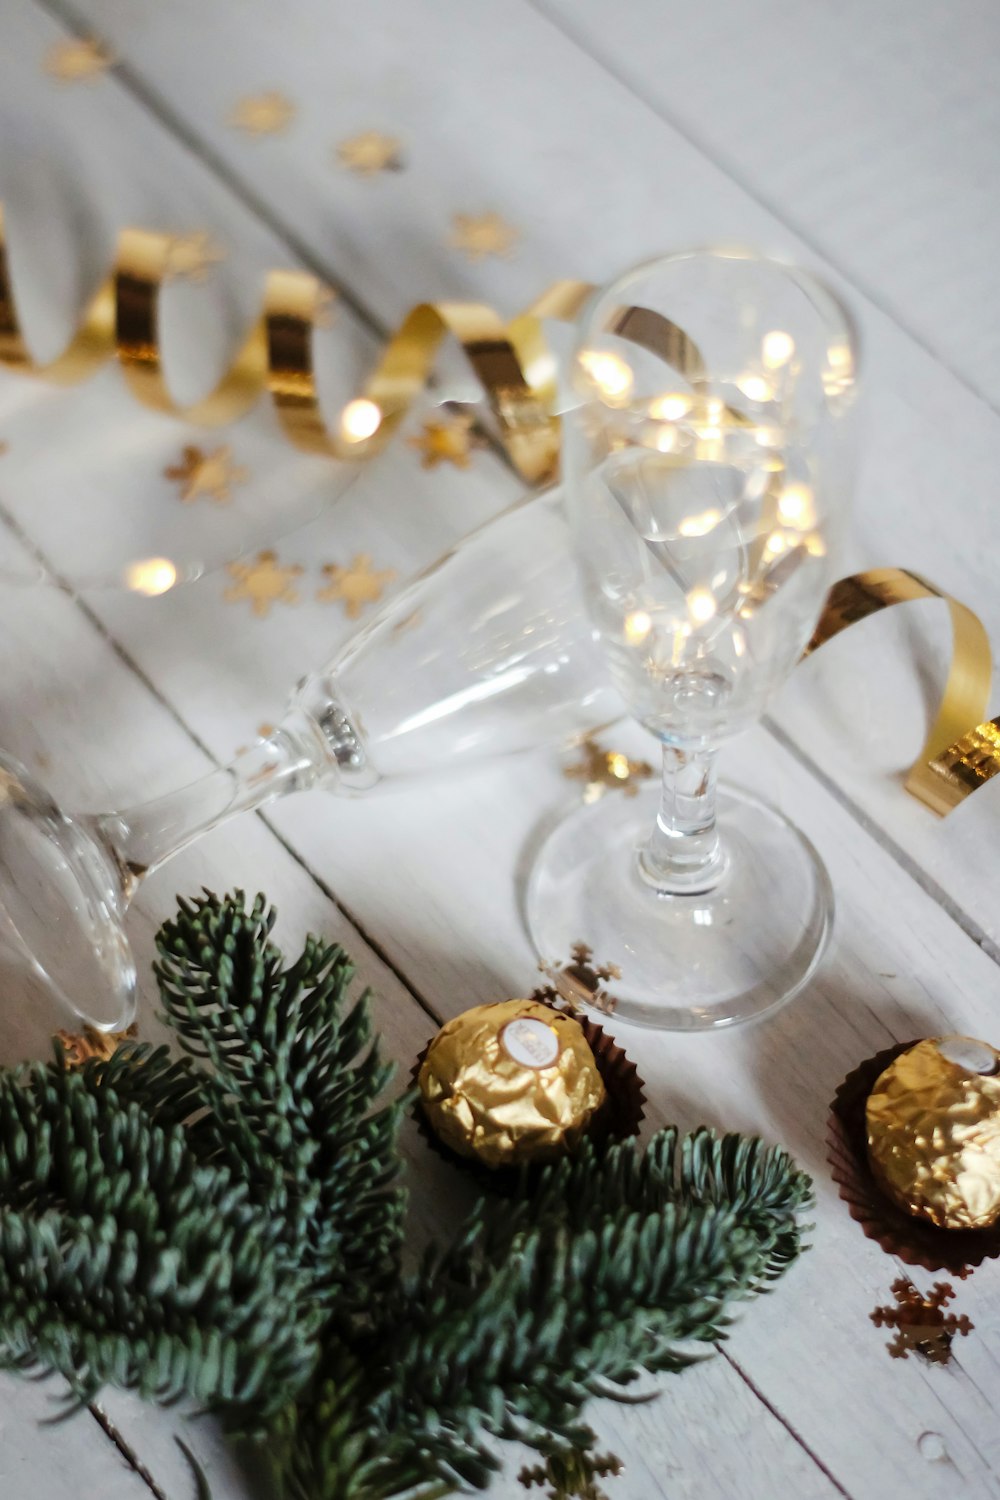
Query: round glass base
{"x": 688, "y": 963}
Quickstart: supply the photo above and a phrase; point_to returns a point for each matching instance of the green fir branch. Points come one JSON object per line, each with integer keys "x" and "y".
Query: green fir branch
{"x": 228, "y": 1226}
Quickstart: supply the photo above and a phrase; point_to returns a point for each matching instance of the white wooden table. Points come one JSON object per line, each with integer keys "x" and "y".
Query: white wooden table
{"x": 862, "y": 138}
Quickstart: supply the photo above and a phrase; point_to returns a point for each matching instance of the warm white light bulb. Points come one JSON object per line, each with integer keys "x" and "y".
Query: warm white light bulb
{"x": 701, "y": 605}
{"x": 638, "y": 624}
{"x": 360, "y": 420}
{"x": 777, "y": 348}
{"x": 151, "y": 575}
{"x": 671, "y": 407}
{"x": 796, "y": 506}
{"x": 755, "y": 387}
{"x": 700, "y": 524}
{"x": 608, "y": 371}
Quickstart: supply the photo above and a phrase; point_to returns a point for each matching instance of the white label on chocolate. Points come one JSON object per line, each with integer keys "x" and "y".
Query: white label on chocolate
{"x": 530, "y": 1042}
{"x": 974, "y": 1057}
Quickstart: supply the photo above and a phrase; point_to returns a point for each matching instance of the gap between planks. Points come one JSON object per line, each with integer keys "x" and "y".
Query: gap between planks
{"x": 128, "y": 1453}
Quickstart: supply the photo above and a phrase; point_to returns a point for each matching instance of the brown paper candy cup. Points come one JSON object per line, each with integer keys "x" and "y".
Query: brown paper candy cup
{"x": 619, "y": 1117}
{"x": 915, "y": 1241}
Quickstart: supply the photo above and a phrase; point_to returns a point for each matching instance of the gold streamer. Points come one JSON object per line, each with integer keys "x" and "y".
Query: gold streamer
{"x": 516, "y": 368}
{"x": 955, "y": 760}
{"x": 512, "y": 362}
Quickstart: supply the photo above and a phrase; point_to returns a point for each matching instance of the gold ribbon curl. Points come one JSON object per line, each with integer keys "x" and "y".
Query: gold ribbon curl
{"x": 515, "y": 366}
{"x": 512, "y": 362}
{"x": 955, "y": 760}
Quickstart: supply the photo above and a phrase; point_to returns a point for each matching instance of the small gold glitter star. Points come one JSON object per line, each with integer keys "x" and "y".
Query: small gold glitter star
{"x": 262, "y": 583}
{"x": 603, "y": 769}
{"x": 449, "y": 441}
{"x": 211, "y": 474}
{"x": 486, "y": 235}
{"x": 78, "y": 60}
{"x": 263, "y": 114}
{"x": 356, "y": 585}
{"x": 370, "y": 152}
{"x": 80, "y": 1046}
{"x": 190, "y": 257}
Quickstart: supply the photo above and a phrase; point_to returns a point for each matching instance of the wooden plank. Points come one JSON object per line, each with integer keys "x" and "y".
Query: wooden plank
{"x": 871, "y": 131}
{"x": 61, "y": 1461}
{"x": 525, "y": 122}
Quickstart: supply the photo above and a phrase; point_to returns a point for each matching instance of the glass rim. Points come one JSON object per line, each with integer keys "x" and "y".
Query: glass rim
{"x": 827, "y": 302}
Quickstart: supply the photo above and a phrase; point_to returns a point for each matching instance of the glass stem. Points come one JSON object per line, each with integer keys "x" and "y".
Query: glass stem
{"x": 684, "y": 856}
{"x": 140, "y": 839}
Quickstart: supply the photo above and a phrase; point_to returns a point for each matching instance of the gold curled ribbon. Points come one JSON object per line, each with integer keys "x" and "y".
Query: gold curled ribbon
{"x": 512, "y": 361}
{"x": 955, "y": 760}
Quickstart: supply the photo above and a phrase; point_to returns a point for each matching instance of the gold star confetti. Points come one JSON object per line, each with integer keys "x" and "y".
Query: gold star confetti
{"x": 4, "y": 447}
{"x": 449, "y": 441}
{"x": 356, "y": 585}
{"x": 263, "y": 114}
{"x": 78, "y": 60}
{"x": 80, "y": 1046}
{"x": 602, "y": 770}
{"x": 486, "y": 235}
{"x": 921, "y": 1323}
{"x": 190, "y": 257}
{"x": 579, "y": 982}
{"x": 370, "y": 152}
{"x": 262, "y": 583}
{"x": 211, "y": 474}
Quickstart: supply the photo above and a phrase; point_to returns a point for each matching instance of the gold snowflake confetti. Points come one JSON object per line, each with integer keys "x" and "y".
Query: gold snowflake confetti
{"x": 191, "y": 257}
{"x": 450, "y": 441}
{"x": 579, "y": 982}
{"x": 487, "y": 234}
{"x": 262, "y": 583}
{"x": 921, "y": 1323}
{"x": 80, "y": 1046}
{"x": 263, "y": 114}
{"x": 603, "y": 770}
{"x": 572, "y": 1475}
{"x": 355, "y": 586}
{"x": 370, "y": 152}
{"x": 212, "y": 474}
{"x": 78, "y": 60}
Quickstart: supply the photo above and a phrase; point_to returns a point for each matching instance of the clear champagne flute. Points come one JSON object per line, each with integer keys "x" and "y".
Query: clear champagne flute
{"x": 708, "y": 481}
{"x": 489, "y": 652}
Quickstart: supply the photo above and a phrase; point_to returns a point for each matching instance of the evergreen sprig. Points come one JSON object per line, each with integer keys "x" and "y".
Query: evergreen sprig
{"x": 229, "y": 1226}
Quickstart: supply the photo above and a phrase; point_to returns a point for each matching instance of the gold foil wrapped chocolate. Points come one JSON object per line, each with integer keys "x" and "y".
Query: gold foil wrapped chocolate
{"x": 509, "y": 1083}
{"x": 933, "y": 1123}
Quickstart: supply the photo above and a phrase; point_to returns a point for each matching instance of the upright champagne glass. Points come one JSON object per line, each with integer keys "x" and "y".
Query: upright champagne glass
{"x": 707, "y": 475}
{"x": 491, "y": 651}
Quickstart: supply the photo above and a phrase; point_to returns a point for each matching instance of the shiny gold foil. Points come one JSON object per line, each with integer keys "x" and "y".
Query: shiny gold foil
{"x": 933, "y": 1120}
{"x": 502, "y": 1093}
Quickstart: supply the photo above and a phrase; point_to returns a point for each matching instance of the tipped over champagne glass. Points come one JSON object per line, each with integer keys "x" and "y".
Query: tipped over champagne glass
{"x": 707, "y": 476}
{"x": 489, "y": 652}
